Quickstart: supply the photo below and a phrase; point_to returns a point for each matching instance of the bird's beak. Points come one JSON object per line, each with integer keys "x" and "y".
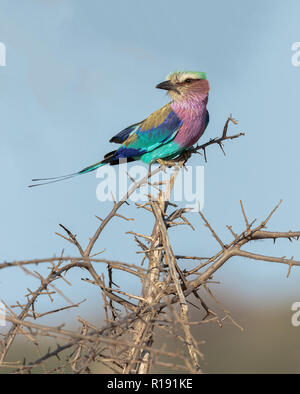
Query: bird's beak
{"x": 166, "y": 85}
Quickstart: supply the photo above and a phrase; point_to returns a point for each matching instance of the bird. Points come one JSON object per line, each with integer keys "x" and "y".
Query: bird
{"x": 164, "y": 135}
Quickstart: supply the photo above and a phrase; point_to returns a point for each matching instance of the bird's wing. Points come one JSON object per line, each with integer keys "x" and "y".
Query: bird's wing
{"x": 124, "y": 134}
{"x": 159, "y": 128}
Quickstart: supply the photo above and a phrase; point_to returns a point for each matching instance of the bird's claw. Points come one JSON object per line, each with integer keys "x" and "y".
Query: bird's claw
{"x": 165, "y": 163}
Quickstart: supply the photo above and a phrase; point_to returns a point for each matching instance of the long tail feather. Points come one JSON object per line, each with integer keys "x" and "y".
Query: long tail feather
{"x": 47, "y": 181}
{"x": 54, "y": 178}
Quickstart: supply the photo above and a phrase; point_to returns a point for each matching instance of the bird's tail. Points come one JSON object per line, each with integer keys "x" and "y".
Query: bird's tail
{"x": 46, "y": 181}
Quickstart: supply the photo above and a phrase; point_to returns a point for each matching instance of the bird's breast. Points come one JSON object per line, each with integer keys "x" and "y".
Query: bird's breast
{"x": 193, "y": 125}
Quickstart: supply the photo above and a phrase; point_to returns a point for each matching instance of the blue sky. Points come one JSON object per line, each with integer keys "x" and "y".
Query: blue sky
{"x": 78, "y": 72}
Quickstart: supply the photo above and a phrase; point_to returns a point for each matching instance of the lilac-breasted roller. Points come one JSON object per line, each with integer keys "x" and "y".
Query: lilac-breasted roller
{"x": 167, "y": 132}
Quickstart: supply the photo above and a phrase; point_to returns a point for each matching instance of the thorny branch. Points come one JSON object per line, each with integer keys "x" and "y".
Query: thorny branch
{"x": 127, "y": 342}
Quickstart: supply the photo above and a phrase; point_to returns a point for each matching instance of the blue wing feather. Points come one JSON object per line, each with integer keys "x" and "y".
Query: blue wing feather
{"x": 124, "y": 134}
{"x": 207, "y": 119}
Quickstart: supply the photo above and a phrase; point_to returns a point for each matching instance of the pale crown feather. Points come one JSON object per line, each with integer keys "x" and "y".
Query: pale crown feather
{"x": 181, "y": 76}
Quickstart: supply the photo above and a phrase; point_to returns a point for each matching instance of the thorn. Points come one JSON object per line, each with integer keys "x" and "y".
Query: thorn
{"x": 204, "y": 153}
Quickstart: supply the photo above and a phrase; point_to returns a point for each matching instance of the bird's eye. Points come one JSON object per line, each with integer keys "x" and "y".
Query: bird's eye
{"x": 189, "y": 80}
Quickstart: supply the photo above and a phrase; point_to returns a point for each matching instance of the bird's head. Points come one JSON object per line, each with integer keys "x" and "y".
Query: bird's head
{"x": 184, "y": 84}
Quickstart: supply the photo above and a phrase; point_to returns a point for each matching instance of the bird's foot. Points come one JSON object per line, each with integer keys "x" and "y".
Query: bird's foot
{"x": 184, "y": 156}
{"x": 166, "y": 163}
